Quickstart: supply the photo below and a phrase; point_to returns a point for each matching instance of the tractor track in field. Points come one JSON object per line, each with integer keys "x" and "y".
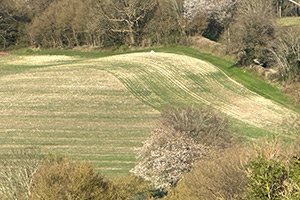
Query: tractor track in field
{"x": 193, "y": 82}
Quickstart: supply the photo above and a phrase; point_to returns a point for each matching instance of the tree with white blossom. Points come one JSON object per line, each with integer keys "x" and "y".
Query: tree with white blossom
{"x": 182, "y": 137}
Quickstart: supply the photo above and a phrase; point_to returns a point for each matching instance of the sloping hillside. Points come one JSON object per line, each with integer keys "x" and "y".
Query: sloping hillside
{"x": 101, "y": 109}
{"x": 161, "y": 79}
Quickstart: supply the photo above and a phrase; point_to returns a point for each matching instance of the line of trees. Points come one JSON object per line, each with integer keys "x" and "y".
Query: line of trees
{"x": 15, "y": 16}
{"x": 69, "y": 23}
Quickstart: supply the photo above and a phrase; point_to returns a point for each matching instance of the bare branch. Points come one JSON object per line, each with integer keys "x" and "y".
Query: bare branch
{"x": 16, "y": 174}
{"x": 294, "y": 2}
{"x": 126, "y": 16}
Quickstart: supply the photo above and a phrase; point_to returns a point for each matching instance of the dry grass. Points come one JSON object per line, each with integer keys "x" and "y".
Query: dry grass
{"x": 221, "y": 176}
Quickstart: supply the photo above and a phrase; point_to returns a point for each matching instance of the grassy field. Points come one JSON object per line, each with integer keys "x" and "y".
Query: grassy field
{"x": 227, "y": 66}
{"x": 289, "y": 21}
{"x": 97, "y": 107}
{"x": 160, "y": 80}
{"x": 86, "y": 114}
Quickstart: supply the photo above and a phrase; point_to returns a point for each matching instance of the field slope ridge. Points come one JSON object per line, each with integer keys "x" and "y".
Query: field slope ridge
{"x": 164, "y": 79}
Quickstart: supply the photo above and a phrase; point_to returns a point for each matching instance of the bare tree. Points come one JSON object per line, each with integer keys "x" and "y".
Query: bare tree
{"x": 127, "y": 17}
{"x": 8, "y": 23}
{"x": 61, "y": 24}
{"x": 294, "y": 2}
{"x": 286, "y": 7}
{"x": 285, "y": 50}
{"x": 253, "y": 28}
{"x": 14, "y": 16}
{"x": 16, "y": 174}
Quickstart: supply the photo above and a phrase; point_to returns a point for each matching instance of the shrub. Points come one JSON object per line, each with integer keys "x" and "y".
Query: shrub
{"x": 182, "y": 137}
{"x": 270, "y": 179}
{"x": 267, "y": 179}
{"x": 293, "y": 90}
{"x": 295, "y": 177}
{"x": 132, "y": 187}
{"x": 274, "y": 173}
{"x": 270, "y": 171}
{"x": 58, "y": 178}
{"x": 221, "y": 176}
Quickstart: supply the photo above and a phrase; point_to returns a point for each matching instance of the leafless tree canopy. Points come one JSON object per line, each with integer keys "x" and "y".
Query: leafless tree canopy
{"x": 285, "y": 51}
{"x": 253, "y": 28}
{"x": 16, "y": 174}
{"x": 128, "y": 16}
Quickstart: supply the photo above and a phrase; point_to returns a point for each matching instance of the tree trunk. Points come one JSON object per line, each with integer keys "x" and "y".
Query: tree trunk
{"x": 75, "y": 38}
{"x": 4, "y": 41}
{"x": 279, "y": 11}
{"x": 132, "y": 38}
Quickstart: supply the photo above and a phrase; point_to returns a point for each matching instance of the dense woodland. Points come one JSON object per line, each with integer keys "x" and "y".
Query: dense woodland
{"x": 203, "y": 157}
{"x": 69, "y": 23}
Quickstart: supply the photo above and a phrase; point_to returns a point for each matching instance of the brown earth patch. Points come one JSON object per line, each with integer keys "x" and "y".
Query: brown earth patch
{"x": 206, "y": 45}
{"x": 2, "y": 54}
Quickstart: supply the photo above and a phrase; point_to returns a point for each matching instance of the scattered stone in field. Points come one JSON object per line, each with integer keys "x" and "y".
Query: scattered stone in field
{"x": 152, "y": 51}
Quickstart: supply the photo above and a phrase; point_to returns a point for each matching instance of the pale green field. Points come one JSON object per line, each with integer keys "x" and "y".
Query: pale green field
{"x": 164, "y": 79}
{"x": 83, "y": 113}
{"x": 100, "y": 109}
{"x": 289, "y": 21}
